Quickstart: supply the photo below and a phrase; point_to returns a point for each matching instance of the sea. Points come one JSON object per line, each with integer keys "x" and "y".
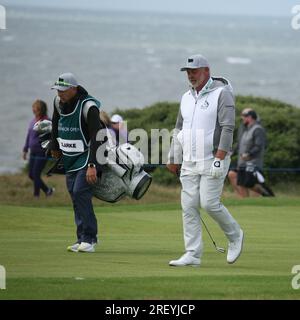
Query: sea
{"x": 133, "y": 59}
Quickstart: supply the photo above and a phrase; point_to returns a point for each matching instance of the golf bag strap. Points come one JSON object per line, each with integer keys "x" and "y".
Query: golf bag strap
{"x": 56, "y": 104}
{"x": 87, "y": 105}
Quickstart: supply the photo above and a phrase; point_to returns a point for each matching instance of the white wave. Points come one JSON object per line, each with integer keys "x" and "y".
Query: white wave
{"x": 238, "y": 60}
{"x": 8, "y": 38}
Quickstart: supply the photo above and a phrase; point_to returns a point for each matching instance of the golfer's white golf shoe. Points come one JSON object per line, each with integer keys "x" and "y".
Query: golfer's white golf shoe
{"x": 186, "y": 260}
{"x": 235, "y": 248}
{"x": 74, "y": 247}
{"x": 86, "y": 247}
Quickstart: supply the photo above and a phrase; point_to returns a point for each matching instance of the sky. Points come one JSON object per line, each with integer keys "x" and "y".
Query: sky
{"x": 228, "y": 7}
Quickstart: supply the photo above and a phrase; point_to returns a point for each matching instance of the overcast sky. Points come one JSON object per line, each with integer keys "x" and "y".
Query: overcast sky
{"x": 236, "y": 7}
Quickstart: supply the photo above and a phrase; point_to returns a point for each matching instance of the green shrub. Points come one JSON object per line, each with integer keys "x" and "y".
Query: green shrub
{"x": 281, "y": 121}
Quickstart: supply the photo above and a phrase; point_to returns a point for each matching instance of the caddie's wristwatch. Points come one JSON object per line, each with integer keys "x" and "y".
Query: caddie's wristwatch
{"x": 91, "y": 165}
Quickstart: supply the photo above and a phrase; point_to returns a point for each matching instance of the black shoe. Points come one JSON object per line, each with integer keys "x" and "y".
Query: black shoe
{"x": 50, "y": 192}
{"x": 267, "y": 192}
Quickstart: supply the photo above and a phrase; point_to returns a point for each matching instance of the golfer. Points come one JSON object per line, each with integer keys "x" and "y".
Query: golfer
{"x": 75, "y": 123}
{"x": 202, "y": 142}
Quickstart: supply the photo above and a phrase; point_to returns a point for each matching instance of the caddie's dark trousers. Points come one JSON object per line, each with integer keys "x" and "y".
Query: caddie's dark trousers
{"x": 81, "y": 195}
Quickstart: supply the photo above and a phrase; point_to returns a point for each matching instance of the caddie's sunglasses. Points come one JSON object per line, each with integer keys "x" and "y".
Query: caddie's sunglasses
{"x": 63, "y": 84}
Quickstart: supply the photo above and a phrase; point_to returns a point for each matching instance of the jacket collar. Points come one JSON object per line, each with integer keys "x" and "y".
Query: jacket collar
{"x": 203, "y": 91}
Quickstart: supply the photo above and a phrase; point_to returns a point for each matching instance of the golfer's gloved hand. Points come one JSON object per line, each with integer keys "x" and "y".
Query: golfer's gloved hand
{"x": 217, "y": 168}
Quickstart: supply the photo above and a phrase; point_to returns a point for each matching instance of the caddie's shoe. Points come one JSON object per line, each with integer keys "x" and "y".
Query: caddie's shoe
{"x": 86, "y": 247}
{"x": 74, "y": 247}
{"x": 186, "y": 260}
{"x": 235, "y": 248}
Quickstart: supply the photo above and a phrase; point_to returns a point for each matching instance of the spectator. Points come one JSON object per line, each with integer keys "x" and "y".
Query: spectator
{"x": 37, "y": 160}
{"x": 251, "y": 148}
{"x": 111, "y": 136}
{"x": 119, "y": 128}
{"x": 232, "y": 174}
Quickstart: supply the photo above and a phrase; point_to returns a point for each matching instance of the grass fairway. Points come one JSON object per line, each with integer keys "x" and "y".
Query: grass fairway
{"x": 137, "y": 241}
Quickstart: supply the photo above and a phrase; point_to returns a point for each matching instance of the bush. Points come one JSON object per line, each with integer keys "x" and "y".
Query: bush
{"x": 163, "y": 176}
{"x": 282, "y": 124}
{"x": 281, "y": 121}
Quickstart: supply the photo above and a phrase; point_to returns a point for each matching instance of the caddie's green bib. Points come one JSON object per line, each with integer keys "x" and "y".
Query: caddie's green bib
{"x": 72, "y": 142}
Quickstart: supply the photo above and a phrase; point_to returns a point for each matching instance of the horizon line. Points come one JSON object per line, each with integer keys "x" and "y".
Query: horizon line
{"x": 109, "y": 10}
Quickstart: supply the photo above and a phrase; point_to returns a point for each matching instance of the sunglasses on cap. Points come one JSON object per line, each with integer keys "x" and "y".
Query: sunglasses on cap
{"x": 63, "y": 84}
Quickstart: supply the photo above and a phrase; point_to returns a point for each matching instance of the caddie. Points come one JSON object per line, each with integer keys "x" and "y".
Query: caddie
{"x": 75, "y": 124}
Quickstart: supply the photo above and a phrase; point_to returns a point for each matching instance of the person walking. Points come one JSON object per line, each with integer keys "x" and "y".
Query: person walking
{"x": 201, "y": 144}
{"x": 119, "y": 129}
{"x": 251, "y": 148}
{"x": 75, "y": 124}
{"x": 233, "y": 172}
{"x": 37, "y": 158}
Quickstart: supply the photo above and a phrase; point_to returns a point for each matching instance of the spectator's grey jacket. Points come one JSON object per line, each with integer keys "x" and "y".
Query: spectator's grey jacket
{"x": 212, "y": 111}
{"x": 252, "y": 142}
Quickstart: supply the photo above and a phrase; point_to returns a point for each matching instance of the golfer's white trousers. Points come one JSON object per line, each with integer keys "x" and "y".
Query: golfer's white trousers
{"x": 200, "y": 189}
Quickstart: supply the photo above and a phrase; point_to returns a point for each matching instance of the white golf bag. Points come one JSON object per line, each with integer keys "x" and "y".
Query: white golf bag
{"x": 122, "y": 174}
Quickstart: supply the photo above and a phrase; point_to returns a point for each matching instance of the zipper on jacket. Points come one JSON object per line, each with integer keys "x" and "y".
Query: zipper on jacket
{"x": 195, "y": 105}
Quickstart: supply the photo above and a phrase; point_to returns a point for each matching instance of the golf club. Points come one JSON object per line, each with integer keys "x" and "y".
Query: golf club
{"x": 219, "y": 249}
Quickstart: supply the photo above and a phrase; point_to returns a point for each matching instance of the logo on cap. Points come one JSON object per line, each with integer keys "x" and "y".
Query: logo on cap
{"x": 190, "y": 60}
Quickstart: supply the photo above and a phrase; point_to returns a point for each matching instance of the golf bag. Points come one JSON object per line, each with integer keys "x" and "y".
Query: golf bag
{"x": 121, "y": 175}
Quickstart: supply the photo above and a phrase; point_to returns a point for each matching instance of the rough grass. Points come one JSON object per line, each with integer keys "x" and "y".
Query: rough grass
{"x": 17, "y": 189}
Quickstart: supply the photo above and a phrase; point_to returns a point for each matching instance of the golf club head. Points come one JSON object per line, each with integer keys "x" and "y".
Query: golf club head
{"x": 219, "y": 249}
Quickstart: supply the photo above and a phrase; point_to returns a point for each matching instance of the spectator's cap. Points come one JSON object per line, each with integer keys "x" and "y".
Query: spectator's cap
{"x": 249, "y": 113}
{"x": 65, "y": 81}
{"x": 116, "y": 118}
{"x": 245, "y": 111}
{"x": 195, "y": 62}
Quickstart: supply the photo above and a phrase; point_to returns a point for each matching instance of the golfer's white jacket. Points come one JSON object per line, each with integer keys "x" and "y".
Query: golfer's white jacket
{"x": 204, "y": 124}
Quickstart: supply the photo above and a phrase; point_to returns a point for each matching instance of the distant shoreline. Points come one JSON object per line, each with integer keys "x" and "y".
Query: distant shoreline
{"x": 146, "y": 12}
